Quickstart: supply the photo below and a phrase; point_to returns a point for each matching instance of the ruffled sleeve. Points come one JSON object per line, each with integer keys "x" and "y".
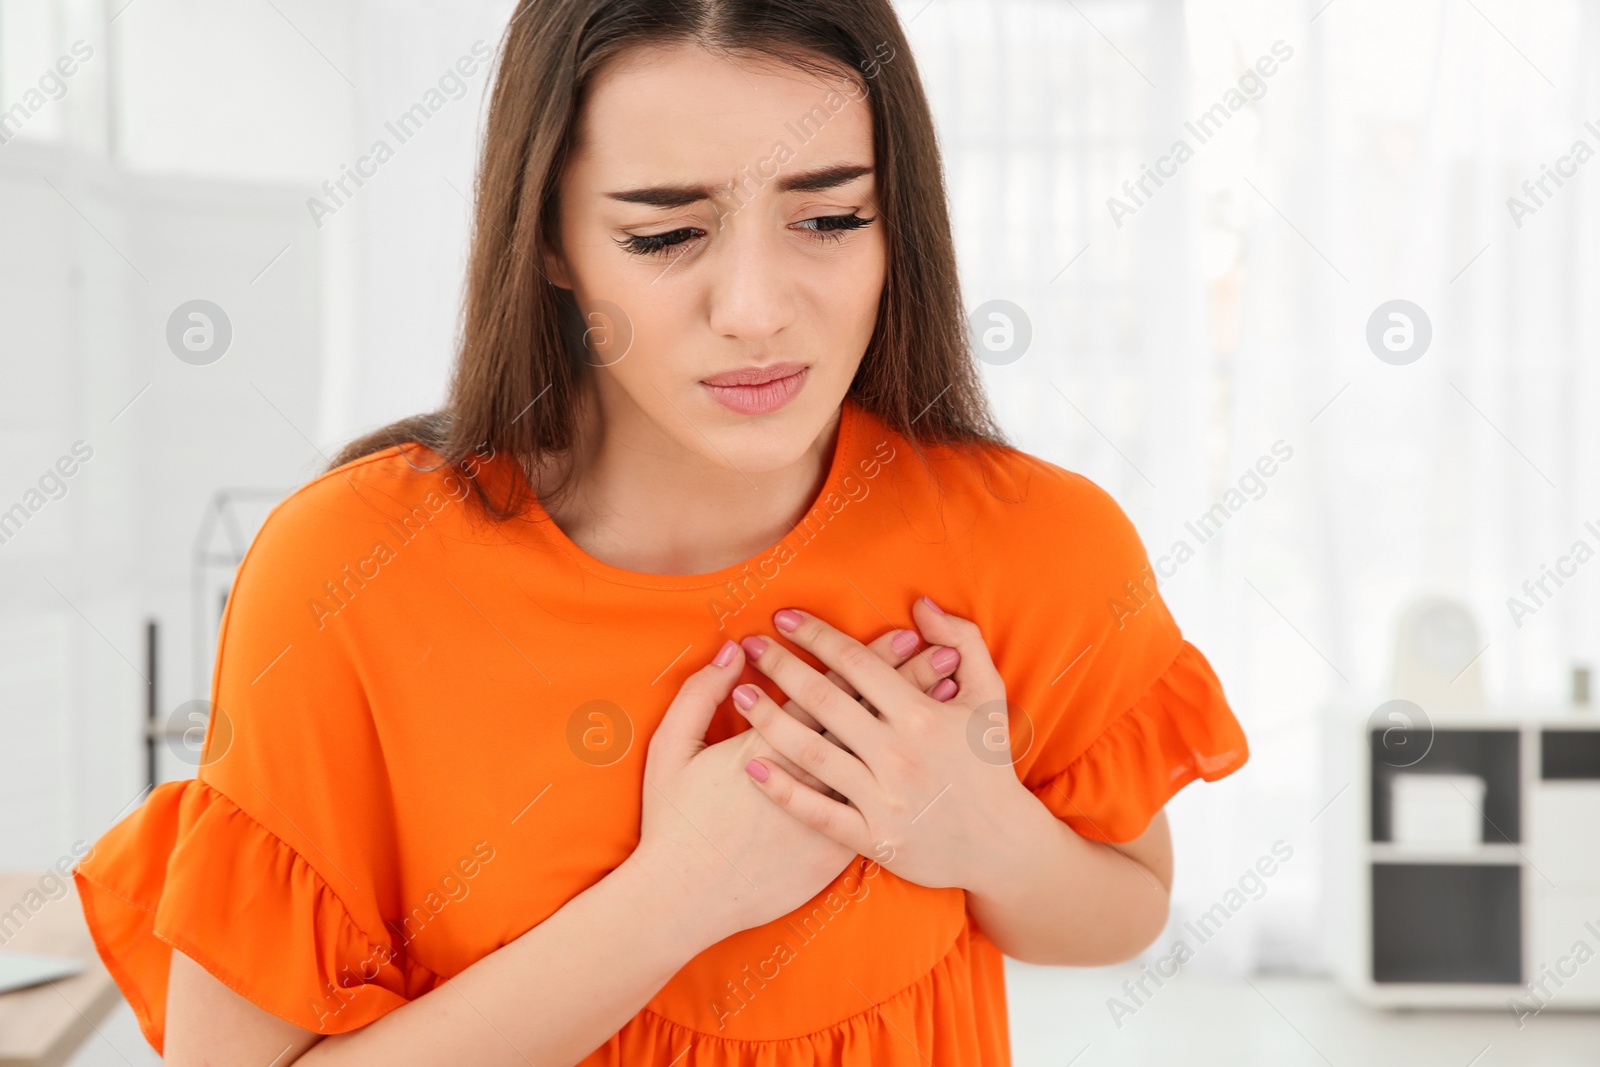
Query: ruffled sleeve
{"x": 273, "y": 868}
{"x": 189, "y": 870}
{"x": 1178, "y": 730}
{"x": 1120, "y": 711}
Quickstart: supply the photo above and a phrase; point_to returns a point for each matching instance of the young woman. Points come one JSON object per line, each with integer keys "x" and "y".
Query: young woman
{"x": 708, "y": 683}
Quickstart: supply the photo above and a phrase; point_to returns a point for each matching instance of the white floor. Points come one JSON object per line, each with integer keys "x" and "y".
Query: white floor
{"x": 1059, "y": 1018}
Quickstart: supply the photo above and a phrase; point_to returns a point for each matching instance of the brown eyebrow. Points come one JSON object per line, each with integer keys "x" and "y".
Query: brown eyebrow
{"x": 670, "y": 196}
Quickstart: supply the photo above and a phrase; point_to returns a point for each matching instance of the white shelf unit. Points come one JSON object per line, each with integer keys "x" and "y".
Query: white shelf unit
{"x": 1514, "y": 919}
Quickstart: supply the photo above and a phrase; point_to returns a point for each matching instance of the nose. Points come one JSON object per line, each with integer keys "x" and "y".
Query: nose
{"x": 752, "y": 290}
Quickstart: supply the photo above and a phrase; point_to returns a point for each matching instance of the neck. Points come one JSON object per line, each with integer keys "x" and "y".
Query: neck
{"x": 643, "y": 502}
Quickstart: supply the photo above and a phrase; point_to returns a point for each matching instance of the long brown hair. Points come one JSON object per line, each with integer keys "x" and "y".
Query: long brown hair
{"x": 519, "y": 368}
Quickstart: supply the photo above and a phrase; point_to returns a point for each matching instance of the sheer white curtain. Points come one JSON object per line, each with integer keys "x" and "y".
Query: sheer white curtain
{"x": 1045, "y": 108}
{"x": 1227, "y": 314}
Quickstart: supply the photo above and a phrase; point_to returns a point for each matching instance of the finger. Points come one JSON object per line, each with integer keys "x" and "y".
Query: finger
{"x": 942, "y": 691}
{"x": 827, "y": 703}
{"x": 935, "y": 661}
{"x": 683, "y": 728}
{"x": 893, "y": 647}
{"x": 927, "y": 668}
{"x": 803, "y": 746}
{"x": 839, "y": 821}
{"x": 805, "y": 778}
{"x": 976, "y": 674}
{"x": 880, "y": 684}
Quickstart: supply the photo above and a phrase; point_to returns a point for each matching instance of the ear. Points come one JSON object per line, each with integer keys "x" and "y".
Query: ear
{"x": 554, "y": 266}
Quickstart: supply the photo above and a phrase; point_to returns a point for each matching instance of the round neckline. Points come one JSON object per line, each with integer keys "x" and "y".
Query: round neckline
{"x": 844, "y": 436}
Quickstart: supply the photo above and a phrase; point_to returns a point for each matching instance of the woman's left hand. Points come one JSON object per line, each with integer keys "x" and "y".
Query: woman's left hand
{"x": 930, "y": 791}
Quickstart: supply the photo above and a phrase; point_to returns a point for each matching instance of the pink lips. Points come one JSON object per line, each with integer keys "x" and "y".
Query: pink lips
{"x": 757, "y": 390}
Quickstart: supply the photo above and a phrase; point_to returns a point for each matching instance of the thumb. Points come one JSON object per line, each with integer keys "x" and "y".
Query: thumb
{"x": 683, "y": 728}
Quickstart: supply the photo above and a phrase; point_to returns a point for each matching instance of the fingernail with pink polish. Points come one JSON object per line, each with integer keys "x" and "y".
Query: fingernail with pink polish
{"x": 944, "y": 659}
{"x": 944, "y": 690}
{"x": 746, "y": 696}
{"x": 757, "y": 770}
{"x": 753, "y": 646}
{"x": 904, "y": 642}
{"x": 725, "y": 653}
{"x": 786, "y": 619}
{"x": 932, "y": 605}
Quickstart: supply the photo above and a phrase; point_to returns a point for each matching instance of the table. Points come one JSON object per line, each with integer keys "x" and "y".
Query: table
{"x": 43, "y": 1026}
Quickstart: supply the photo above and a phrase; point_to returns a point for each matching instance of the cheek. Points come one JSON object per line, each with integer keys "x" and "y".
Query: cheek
{"x": 857, "y": 293}
{"x": 656, "y": 321}
{"x": 658, "y": 325}
{"x": 630, "y": 318}
{"x": 872, "y": 264}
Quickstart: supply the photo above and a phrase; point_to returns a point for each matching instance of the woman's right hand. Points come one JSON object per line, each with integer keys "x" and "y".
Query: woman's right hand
{"x": 742, "y": 860}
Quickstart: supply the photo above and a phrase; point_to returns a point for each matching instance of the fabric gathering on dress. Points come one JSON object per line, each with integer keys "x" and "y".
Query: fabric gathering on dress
{"x": 429, "y": 733}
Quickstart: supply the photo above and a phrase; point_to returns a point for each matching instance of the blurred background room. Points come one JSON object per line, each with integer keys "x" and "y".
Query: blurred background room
{"x": 1302, "y": 284}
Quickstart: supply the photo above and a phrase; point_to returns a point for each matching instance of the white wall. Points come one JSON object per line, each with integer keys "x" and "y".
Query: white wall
{"x": 183, "y": 155}
{"x": 95, "y": 263}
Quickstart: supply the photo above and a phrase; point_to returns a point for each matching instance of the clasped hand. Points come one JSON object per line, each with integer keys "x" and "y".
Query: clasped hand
{"x": 918, "y": 786}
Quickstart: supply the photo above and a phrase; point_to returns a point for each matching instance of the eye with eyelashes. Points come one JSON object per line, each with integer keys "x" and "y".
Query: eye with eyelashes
{"x": 826, "y": 228}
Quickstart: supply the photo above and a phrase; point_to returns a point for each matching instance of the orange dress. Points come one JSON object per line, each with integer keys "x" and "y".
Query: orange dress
{"x": 430, "y": 734}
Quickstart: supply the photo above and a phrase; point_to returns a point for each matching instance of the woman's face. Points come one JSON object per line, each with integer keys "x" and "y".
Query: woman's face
{"x": 712, "y": 221}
